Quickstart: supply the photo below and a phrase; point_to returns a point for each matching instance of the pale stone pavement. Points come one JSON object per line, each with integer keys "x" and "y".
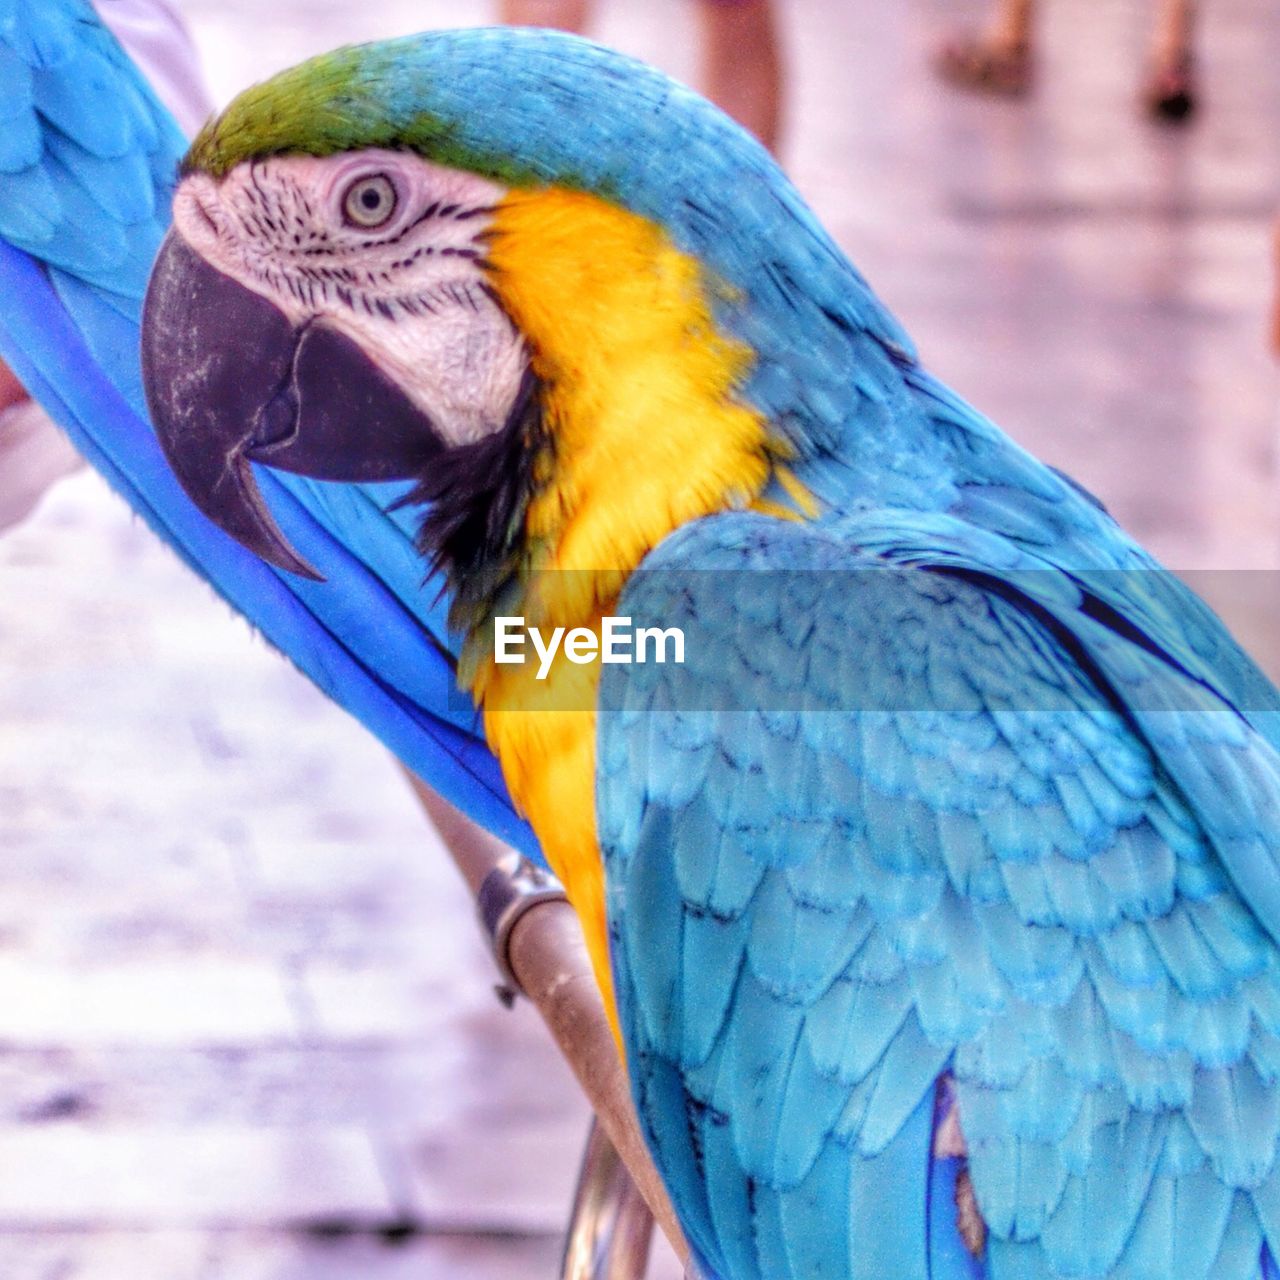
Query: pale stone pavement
{"x": 246, "y": 1028}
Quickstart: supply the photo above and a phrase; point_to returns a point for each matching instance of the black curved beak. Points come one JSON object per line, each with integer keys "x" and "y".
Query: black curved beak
{"x": 231, "y": 381}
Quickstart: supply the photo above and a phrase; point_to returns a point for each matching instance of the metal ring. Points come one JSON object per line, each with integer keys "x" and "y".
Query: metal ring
{"x": 513, "y": 887}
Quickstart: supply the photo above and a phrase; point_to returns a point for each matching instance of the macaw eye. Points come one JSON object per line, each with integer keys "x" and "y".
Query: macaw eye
{"x": 370, "y": 201}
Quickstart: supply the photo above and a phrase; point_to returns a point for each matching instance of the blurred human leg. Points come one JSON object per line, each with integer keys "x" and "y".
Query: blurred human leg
{"x": 997, "y": 60}
{"x": 568, "y": 15}
{"x": 33, "y": 454}
{"x": 1275, "y": 290}
{"x": 1011, "y": 24}
{"x": 1170, "y": 90}
{"x": 741, "y": 65}
{"x": 11, "y": 390}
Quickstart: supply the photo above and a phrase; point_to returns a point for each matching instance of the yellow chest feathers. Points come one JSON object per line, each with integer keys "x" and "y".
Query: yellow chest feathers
{"x": 646, "y": 435}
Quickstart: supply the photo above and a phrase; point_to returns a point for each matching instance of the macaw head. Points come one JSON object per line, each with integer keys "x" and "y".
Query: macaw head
{"x": 566, "y": 297}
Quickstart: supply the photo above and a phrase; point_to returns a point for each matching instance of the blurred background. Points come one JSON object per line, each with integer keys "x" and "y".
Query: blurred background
{"x": 247, "y": 1030}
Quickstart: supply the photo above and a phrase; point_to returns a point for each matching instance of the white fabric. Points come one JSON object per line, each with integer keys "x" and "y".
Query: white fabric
{"x": 33, "y": 454}
{"x": 157, "y": 39}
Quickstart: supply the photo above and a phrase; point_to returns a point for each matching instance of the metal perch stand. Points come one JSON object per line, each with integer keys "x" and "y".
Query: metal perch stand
{"x": 541, "y": 953}
{"x": 611, "y": 1227}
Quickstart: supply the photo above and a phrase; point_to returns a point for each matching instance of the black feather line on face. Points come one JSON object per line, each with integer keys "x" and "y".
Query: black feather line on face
{"x": 473, "y": 529}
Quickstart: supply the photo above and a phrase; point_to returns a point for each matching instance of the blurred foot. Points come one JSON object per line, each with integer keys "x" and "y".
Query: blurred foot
{"x": 986, "y": 64}
{"x": 33, "y": 454}
{"x": 1169, "y": 94}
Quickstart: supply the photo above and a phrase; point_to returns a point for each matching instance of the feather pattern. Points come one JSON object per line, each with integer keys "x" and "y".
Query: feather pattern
{"x": 994, "y": 897}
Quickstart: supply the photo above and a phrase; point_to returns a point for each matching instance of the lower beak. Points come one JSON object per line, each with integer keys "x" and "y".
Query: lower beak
{"x": 230, "y": 380}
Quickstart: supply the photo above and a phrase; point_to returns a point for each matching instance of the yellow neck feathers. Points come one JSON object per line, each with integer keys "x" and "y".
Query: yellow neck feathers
{"x": 646, "y": 436}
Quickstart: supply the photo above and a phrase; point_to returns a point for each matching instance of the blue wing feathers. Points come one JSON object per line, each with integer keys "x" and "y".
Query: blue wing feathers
{"x": 850, "y": 1026}
{"x": 31, "y": 209}
{"x": 79, "y": 95}
{"x": 42, "y": 35}
{"x": 1239, "y": 1257}
{"x": 888, "y": 1197}
{"x": 905, "y": 1074}
{"x": 713, "y": 954}
{"x": 89, "y": 158}
{"x": 805, "y": 1213}
{"x": 797, "y": 951}
{"x": 1045, "y": 913}
{"x": 733, "y": 1208}
{"x": 120, "y": 185}
{"x": 1234, "y": 1116}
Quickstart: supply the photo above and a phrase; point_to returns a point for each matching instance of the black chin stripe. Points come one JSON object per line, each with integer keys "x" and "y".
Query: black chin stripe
{"x": 478, "y": 494}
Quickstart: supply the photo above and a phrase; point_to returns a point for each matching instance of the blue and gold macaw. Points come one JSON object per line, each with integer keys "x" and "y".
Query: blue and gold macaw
{"x": 937, "y": 888}
{"x": 88, "y": 161}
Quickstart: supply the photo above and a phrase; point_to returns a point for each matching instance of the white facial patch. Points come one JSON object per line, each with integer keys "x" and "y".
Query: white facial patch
{"x": 387, "y": 249}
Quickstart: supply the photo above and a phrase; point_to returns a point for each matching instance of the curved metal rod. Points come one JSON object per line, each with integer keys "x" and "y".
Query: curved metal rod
{"x": 542, "y": 948}
{"x": 611, "y": 1228}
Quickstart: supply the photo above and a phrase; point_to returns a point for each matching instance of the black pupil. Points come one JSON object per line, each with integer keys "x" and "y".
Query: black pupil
{"x": 371, "y": 198}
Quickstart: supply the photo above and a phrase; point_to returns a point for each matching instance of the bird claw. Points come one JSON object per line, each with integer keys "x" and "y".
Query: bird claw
{"x": 969, "y": 1220}
{"x": 949, "y": 1144}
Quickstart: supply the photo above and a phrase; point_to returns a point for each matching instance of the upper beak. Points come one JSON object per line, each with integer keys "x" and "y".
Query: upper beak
{"x": 230, "y": 381}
